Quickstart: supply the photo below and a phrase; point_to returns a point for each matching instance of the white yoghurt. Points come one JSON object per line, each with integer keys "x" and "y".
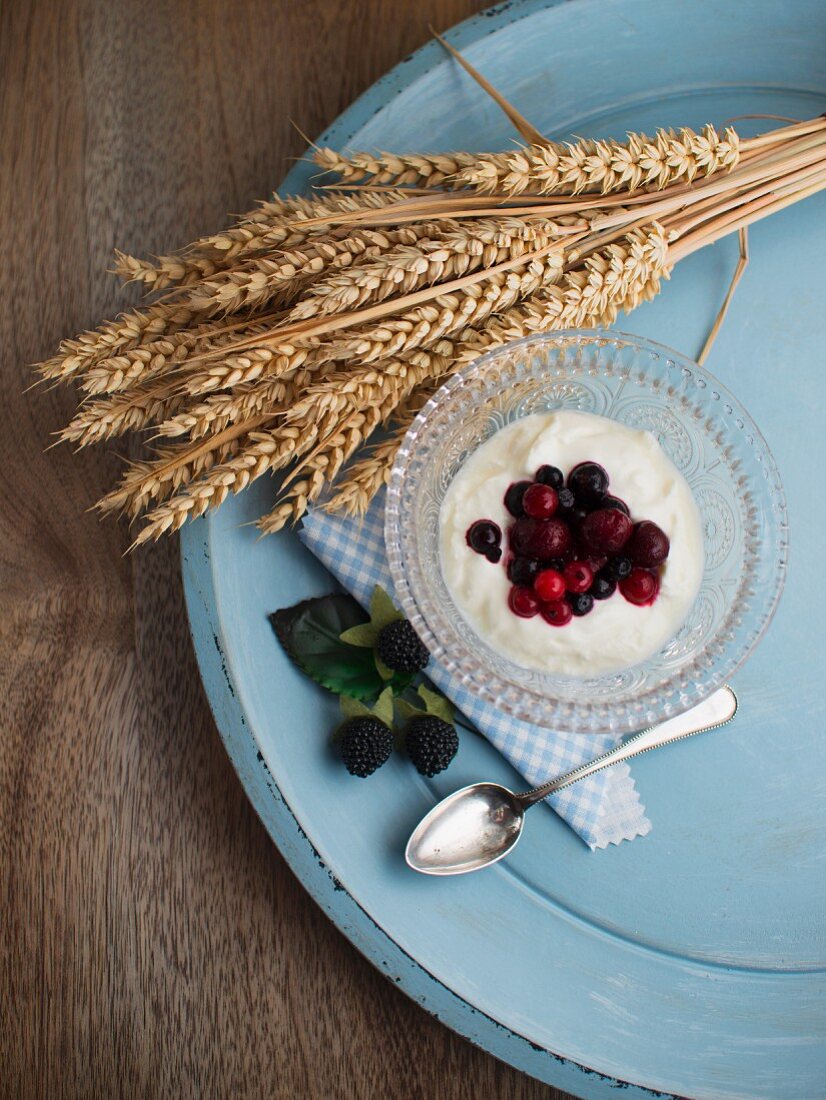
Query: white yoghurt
{"x": 616, "y": 634}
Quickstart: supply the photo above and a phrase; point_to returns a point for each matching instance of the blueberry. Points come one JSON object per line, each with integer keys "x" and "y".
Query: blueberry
{"x": 550, "y": 475}
{"x": 513, "y": 497}
{"x": 522, "y": 571}
{"x": 604, "y": 585}
{"x": 494, "y": 555}
{"x": 555, "y": 563}
{"x": 619, "y": 567}
{"x": 615, "y": 502}
{"x": 567, "y": 500}
{"x": 483, "y": 536}
{"x": 589, "y": 482}
{"x": 581, "y": 603}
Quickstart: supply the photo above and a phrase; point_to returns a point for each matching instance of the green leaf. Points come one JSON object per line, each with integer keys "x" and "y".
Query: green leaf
{"x": 310, "y": 633}
{"x": 364, "y": 634}
{"x": 354, "y": 708}
{"x": 407, "y": 711}
{"x": 436, "y": 704}
{"x": 386, "y": 673}
{"x": 382, "y": 610}
{"x": 383, "y": 708}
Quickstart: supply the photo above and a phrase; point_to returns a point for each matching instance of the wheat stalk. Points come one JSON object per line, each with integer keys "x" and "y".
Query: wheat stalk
{"x": 354, "y": 493}
{"x": 551, "y": 168}
{"x": 458, "y": 251}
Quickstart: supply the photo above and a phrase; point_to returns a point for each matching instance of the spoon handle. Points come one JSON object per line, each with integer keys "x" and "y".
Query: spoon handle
{"x": 718, "y": 710}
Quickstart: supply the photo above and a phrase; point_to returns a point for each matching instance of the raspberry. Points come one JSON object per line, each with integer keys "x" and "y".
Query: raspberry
{"x": 431, "y": 744}
{"x": 540, "y": 538}
{"x": 605, "y": 531}
{"x": 540, "y": 501}
{"x": 549, "y": 585}
{"x": 523, "y": 602}
{"x": 557, "y": 613}
{"x": 649, "y": 544}
{"x": 640, "y": 587}
{"x": 578, "y": 576}
{"x": 364, "y": 745}
{"x": 399, "y": 647}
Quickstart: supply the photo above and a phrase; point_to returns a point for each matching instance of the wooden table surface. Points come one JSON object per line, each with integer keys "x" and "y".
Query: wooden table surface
{"x": 155, "y": 943}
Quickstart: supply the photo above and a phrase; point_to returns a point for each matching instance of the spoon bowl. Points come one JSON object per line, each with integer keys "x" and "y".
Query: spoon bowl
{"x": 469, "y": 829}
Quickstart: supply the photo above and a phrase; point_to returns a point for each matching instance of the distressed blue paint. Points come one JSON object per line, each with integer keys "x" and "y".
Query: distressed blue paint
{"x": 691, "y": 961}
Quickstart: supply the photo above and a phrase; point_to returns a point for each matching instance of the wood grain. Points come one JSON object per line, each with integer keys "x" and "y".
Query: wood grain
{"x": 155, "y": 942}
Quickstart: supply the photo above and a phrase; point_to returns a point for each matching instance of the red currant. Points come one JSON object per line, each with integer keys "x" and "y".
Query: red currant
{"x": 523, "y": 602}
{"x": 557, "y": 613}
{"x": 578, "y": 576}
{"x": 640, "y": 587}
{"x": 549, "y": 585}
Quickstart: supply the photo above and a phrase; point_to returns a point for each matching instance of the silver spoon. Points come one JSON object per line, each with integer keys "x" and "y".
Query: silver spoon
{"x": 479, "y": 824}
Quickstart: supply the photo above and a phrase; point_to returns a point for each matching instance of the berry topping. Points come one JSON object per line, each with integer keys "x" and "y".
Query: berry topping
{"x": 549, "y": 585}
{"x": 649, "y": 544}
{"x": 604, "y": 586}
{"x": 577, "y": 516}
{"x": 557, "y": 613}
{"x": 550, "y": 475}
{"x": 522, "y": 571}
{"x": 566, "y": 499}
{"x": 494, "y": 556}
{"x": 523, "y": 602}
{"x": 555, "y": 563}
{"x": 578, "y": 576}
{"x": 640, "y": 587}
{"x": 606, "y": 531}
{"x": 431, "y": 744}
{"x": 540, "y": 538}
{"x": 597, "y": 562}
{"x": 615, "y": 502}
{"x": 540, "y": 501}
{"x": 620, "y": 567}
{"x": 483, "y": 535}
{"x": 589, "y": 481}
{"x": 580, "y": 603}
{"x": 364, "y": 745}
{"x": 513, "y": 497}
{"x": 399, "y": 647}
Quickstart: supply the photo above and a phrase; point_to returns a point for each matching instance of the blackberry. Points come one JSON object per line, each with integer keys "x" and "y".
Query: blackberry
{"x": 431, "y": 744}
{"x": 399, "y": 647}
{"x": 364, "y": 744}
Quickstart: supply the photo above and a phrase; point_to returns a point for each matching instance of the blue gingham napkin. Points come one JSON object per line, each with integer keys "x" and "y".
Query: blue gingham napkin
{"x": 603, "y": 809}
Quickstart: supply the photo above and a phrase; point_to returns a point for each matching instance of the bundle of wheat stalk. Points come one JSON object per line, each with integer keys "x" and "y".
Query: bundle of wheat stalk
{"x": 285, "y": 342}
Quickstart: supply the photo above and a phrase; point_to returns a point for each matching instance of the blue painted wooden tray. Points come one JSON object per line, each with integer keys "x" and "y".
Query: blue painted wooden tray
{"x": 691, "y": 961}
